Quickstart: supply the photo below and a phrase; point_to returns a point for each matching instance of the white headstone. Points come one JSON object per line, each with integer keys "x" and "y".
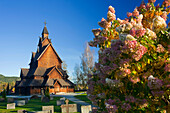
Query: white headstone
{"x": 86, "y": 109}
{"x": 60, "y": 102}
{"x": 11, "y": 106}
{"x": 20, "y": 102}
{"x": 45, "y": 108}
{"x": 63, "y": 98}
{"x": 72, "y": 108}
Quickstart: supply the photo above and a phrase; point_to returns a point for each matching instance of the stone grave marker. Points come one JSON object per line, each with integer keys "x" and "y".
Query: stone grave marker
{"x": 45, "y": 108}
{"x": 69, "y": 108}
{"x": 60, "y": 102}
{"x": 45, "y": 99}
{"x": 22, "y": 111}
{"x": 10, "y": 100}
{"x": 26, "y": 100}
{"x": 11, "y": 106}
{"x": 86, "y": 109}
{"x": 63, "y": 98}
{"x": 51, "y": 98}
{"x": 20, "y": 102}
{"x": 2, "y": 99}
{"x": 47, "y": 111}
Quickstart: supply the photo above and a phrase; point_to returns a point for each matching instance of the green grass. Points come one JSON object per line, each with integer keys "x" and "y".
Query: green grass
{"x": 32, "y": 105}
{"x": 84, "y": 98}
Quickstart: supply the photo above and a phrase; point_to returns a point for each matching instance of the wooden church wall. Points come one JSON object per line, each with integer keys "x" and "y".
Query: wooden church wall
{"x": 49, "y": 59}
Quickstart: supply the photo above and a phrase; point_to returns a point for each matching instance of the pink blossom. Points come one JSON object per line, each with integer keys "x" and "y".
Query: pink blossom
{"x": 133, "y": 32}
{"x": 157, "y": 7}
{"x": 111, "y": 108}
{"x": 135, "y": 12}
{"x": 142, "y": 6}
{"x": 110, "y": 16}
{"x": 154, "y": 83}
{"x": 140, "y": 32}
{"x": 130, "y": 99}
{"x": 103, "y": 23}
{"x": 141, "y": 50}
{"x": 127, "y": 71}
{"x": 166, "y": 3}
{"x": 126, "y": 106}
{"x": 167, "y": 68}
{"x": 111, "y": 9}
{"x": 131, "y": 44}
{"x": 157, "y": 93}
{"x": 96, "y": 32}
{"x": 129, "y": 14}
{"x": 160, "y": 48}
{"x": 148, "y": 6}
{"x": 151, "y": 1}
{"x": 164, "y": 15}
{"x": 135, "y": 79}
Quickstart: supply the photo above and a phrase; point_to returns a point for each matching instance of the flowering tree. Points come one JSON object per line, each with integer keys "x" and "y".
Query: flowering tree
{"x": 133, "y": 71}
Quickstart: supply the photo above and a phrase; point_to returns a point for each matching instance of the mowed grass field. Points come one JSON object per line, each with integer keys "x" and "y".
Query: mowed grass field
{"x": 32, "y": 105}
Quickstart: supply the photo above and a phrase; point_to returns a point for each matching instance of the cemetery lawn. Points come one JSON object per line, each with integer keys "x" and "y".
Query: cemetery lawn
{"x": 84, "y": 98}
{"x": 32, "y": 105}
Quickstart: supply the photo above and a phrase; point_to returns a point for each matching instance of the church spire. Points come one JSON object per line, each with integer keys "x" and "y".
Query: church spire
{"x": 45, "y": 31}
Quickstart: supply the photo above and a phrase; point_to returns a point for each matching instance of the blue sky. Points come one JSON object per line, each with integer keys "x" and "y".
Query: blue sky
{"x": 69, "y": 23}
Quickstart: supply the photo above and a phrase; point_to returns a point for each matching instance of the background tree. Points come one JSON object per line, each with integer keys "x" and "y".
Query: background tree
{"x": 86, "y": 67}
{"x": 7, "y": 89}
{"x": 64, "y": 66}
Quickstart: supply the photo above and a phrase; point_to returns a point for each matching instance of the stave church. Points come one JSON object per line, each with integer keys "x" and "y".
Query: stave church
{"x": 45, "y": 71}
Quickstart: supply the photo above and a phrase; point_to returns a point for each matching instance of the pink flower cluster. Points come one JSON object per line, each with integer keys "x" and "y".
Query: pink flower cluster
{"x": 151, "y": 1}
{"x": 160, "y": 48}
{"x": 154, "y": 83}
{"x": 104, "y": 23}
{"x": 137, "y": 32}
{"x": 111, "y": 108}
{"x": 142, "y": 6}
{"x": 157, "y": 93}
{"x": 166, "y": 3}
{"x": 134, "y": 79}
{"x": 167, "y": 68}
{"x": 135, "y": 12}
{"x": 141, "y": 50}
{"x": 130, "y": 99}
{"x": 98, "y": 38}
{"x": 126, "y": 106}
{"x": 111, "y": 14}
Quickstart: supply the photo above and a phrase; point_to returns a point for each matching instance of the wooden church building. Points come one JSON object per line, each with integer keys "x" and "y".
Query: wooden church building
{"x": 45, "y": 71}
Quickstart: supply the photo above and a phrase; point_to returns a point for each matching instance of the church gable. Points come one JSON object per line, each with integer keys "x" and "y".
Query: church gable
{"x": 49, "y": 58}
{"x": 45, "y": 42}
{"x": 54, "y": 74}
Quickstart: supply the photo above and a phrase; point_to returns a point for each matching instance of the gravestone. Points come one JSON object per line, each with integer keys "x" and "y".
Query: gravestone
{"x": 26, "y": 100}
{"x": 51, "y": 98}
{"x": 20, "y": 102}
{"x": 10, "y": 100}
{"x": 45, "y": 99}
{"x": 69, "y": 108}
{"x": 86, "y": 109}
{"x": 2, "y": 99}
{"x": 11, "y": 106}
{"x": 22, "y": 111}
{"x": 42, "y": 94}
{"x": 63, "y": 98}
{"x": 60, "y": 102}
{"x": 34, "y": 97}
{"x": 47, "y": 111}
{"x": 51, "y": 108}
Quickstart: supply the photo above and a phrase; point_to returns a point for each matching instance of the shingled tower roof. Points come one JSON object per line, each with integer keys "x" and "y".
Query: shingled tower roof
{"x": 45, "y": 31}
